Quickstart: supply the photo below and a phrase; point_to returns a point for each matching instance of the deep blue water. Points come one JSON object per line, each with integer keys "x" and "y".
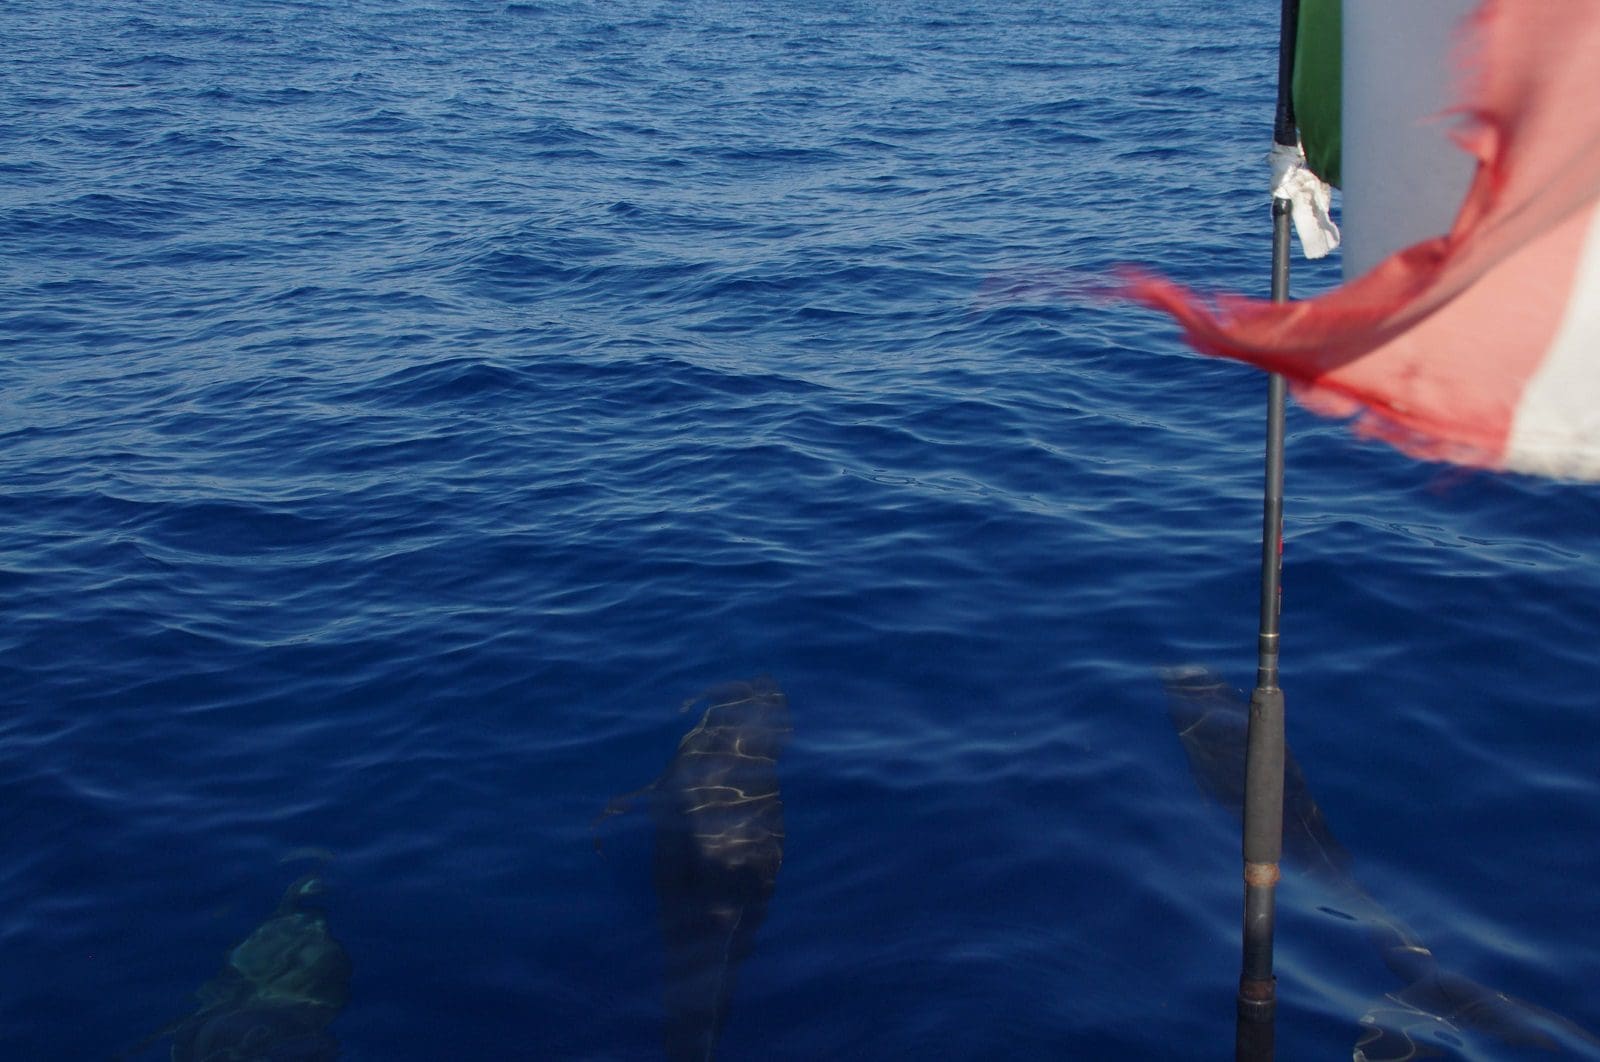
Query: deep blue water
{"x": 406, "y": 406}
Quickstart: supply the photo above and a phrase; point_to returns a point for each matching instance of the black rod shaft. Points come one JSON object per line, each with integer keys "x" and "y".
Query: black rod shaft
{"x": 1264, "y": 757}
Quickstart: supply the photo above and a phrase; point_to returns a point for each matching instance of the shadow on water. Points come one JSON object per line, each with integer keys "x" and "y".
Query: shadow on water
{"x": 719, "y": 843}
{"x": 276, "y": 994}
{"x": 1427, "y": 1015}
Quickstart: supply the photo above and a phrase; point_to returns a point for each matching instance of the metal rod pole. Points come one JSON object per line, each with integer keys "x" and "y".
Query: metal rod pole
{"x": 1264, "y": 756}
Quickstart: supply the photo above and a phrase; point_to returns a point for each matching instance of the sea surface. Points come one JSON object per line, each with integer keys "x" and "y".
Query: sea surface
{"x": 406, "y": 407}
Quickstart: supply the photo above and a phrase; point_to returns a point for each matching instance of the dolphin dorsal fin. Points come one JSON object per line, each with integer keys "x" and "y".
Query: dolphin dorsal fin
{"x": 618, "y": 805}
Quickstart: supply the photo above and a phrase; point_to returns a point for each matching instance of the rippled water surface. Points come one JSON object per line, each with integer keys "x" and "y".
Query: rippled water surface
{"x": 406, "y": 407}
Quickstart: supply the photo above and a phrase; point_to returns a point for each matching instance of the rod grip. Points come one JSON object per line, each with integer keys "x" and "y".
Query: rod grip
{"x": 1263, "y": 768}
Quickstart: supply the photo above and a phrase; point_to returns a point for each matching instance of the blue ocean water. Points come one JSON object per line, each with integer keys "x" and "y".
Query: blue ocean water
{"x": 407, "y": 406}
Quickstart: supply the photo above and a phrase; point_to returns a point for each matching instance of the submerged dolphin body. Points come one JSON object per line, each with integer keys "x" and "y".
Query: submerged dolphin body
{"x": 719, "y": 843}
{"x": 1434, "y": 1004}
{"x": 275, "y": 995}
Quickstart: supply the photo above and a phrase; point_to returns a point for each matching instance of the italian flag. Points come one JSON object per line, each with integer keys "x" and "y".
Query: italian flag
{"x": 1466, "y": 141}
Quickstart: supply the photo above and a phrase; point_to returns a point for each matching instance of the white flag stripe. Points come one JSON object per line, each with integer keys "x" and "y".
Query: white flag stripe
{"x": 1404, "y": 179}
{"x": 1556, "y": 429}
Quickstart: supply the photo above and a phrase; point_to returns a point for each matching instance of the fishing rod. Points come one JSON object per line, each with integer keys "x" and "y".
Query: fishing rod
{"x": 1264, "y": 756}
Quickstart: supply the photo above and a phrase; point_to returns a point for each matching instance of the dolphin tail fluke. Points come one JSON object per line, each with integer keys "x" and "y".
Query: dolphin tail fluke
{"x": 1440, "y": 1008}
{"x": 1395, "y": 1031}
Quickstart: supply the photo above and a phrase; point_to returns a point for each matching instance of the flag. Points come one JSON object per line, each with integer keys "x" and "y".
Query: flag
{"x": 1480, "y": 344}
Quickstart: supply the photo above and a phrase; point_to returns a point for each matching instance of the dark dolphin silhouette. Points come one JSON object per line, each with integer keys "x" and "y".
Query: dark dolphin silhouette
{"x": 1434, "y": 1005}
{"x": 719, "y": 843}
{"x": 275, "y": 995}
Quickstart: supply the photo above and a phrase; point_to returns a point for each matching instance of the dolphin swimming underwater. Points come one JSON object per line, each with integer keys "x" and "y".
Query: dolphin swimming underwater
{"x": 718, "y": 846}
{"x": 275, "y": 995}
{"x": 1433, "y": 1005}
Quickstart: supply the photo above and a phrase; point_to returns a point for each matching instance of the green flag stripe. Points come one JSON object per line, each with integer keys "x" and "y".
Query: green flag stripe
{"x": 1317, "y": 80}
